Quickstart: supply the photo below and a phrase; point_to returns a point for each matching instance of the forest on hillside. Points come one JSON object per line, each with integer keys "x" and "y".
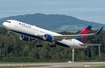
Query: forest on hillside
{"x": 13, "y": 49}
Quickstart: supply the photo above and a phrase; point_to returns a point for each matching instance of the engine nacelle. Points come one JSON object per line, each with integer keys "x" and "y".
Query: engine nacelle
{"x": 25, "y": 38}
{"x": 48, "y": 37}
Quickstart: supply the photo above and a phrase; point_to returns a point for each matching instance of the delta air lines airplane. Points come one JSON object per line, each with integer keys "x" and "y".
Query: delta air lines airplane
{"x": 30, "y": 32}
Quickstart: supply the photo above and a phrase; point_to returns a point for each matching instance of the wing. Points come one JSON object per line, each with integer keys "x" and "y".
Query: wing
{"x": 90, "y": 44}
{"x": 75, "y": 36}
{"x": 72, "y": 36}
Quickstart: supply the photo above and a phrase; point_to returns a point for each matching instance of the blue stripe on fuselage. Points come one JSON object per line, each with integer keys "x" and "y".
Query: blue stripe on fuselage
{"x": 33, "y": 36}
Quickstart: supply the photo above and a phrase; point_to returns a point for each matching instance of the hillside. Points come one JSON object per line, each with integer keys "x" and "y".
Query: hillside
{"x": 53, "y": 22}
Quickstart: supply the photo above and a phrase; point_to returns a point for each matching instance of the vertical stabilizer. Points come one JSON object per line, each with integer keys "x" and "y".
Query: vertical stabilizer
{"x": 85, "y": 31}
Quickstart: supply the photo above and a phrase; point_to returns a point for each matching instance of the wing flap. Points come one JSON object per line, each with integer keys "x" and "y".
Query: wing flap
{"x": 90, "y": 44}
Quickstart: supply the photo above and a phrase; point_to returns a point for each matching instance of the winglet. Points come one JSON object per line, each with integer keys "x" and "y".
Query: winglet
{"x": 99, "y": 31}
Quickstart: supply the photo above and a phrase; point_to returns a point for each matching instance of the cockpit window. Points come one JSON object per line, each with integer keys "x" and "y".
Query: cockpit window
{"x": 8, "y": 21}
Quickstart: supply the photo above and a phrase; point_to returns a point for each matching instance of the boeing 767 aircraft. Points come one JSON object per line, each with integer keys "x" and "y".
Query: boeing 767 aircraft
{"x": 30, "y": 32}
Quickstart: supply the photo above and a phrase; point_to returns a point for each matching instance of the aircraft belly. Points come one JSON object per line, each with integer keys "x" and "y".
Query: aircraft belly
{"x": 72, "y": 43}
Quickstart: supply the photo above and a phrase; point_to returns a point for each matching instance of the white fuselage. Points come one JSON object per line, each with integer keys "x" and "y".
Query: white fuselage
{"x": 28, "y": 30}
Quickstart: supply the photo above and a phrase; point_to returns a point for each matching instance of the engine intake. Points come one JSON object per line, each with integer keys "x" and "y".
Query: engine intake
{"x": 48, "y": 37}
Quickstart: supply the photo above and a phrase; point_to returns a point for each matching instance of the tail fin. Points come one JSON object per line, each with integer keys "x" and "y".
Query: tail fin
{"x": 85, "y": 31}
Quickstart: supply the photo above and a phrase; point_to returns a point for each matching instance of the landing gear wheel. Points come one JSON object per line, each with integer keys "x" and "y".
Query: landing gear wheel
{"x": 38, "y": 45}
{"x": 52, "y": 45}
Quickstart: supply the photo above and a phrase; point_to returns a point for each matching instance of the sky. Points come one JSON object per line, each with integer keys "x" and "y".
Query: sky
{"x": 89, "y": 10}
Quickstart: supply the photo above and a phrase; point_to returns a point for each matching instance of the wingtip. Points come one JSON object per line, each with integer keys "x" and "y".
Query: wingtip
{"x": 99, "y": 30}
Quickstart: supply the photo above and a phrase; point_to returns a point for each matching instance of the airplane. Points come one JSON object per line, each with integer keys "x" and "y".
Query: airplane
{"x": 31, "y": 32}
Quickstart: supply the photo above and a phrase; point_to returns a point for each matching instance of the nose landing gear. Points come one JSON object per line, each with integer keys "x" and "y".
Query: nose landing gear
{"x": 9, "y": 32}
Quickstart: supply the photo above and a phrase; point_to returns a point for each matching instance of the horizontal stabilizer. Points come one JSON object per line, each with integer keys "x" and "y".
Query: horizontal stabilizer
{"x": 90, "y": 44}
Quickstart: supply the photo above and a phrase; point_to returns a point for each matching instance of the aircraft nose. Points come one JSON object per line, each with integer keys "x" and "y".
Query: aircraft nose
{"x": 4, "y": 24}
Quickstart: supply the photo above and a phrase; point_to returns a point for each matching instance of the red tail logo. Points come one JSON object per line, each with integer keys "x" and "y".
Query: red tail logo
{"x": 85, "y": 31}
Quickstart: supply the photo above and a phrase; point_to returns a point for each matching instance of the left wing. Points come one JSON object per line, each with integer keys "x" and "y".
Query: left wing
{"x": 75, "y": 36}
{"x": 72, "y": 36}
{"x": 90, "y": 44}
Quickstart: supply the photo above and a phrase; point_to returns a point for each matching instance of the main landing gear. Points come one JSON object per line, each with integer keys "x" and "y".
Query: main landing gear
{"x": 39, "y": 44}
{"x": 53, "y": 44}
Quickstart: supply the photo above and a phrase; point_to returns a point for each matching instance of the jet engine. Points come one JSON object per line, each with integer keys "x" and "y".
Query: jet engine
{"x": 48, "y": 37}
{"x": 25, "y": 38}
